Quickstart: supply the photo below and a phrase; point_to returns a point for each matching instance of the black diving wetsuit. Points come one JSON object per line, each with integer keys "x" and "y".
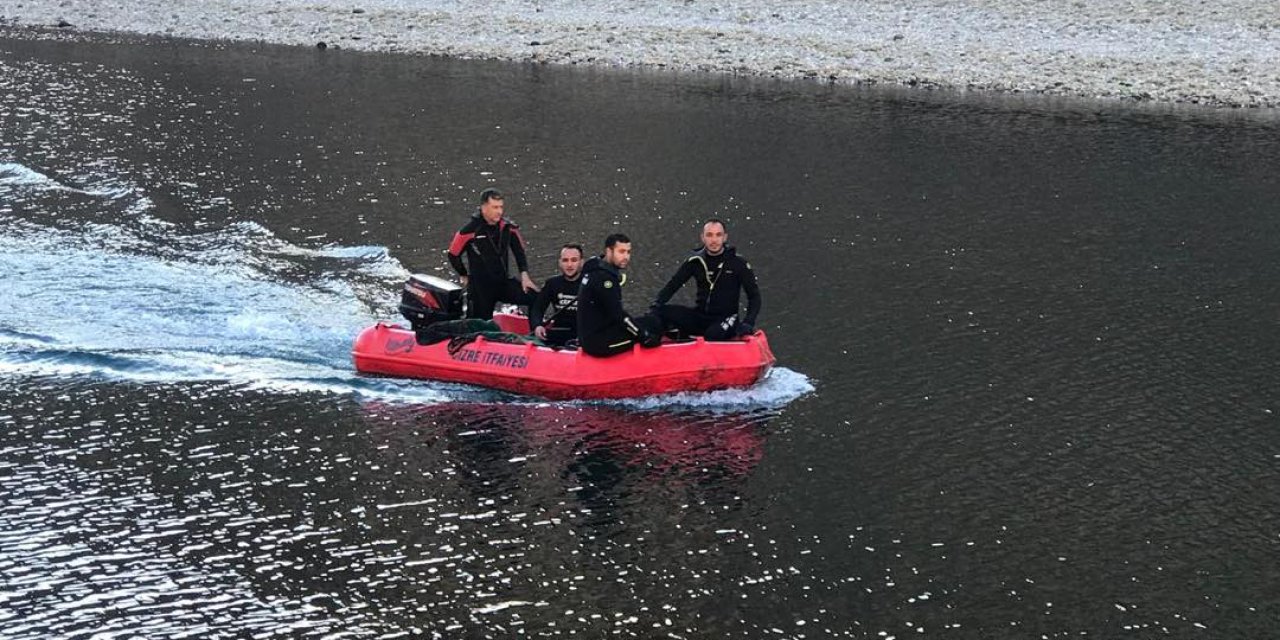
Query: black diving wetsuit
{"x": 604, "y": 328}
{"x": 719, "y": 279}
{"x": 559, "y": 295}
{"x": 486, "y": 246}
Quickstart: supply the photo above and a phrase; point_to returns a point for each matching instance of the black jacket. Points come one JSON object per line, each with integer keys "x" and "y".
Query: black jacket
{"x": 719, "y": 279}
{"x": 601, "y": 318}
{"x": 560, "y": 295}
{"x": 486, "y": 247}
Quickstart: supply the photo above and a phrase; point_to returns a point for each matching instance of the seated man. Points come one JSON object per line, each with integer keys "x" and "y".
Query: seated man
{"x": 553, "y": 317}
{"x": 719, "y": 273}
{"x": 604, "y": 328}
{"x": 486, "y": 239}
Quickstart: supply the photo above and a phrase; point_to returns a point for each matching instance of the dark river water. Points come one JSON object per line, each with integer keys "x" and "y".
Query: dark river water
{"x": 1027, "y": 349}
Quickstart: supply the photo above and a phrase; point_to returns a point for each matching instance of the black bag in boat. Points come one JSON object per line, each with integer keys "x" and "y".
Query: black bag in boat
{"x": 460, "y": 333}
{"x": 428, "y": 299}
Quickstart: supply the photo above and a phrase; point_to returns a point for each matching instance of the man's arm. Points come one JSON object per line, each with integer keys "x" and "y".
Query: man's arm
{"x": 750, "y": 286}
{"x": 673, "y": 285}
{"x": 611, "y": 297}
{"x": 517, "y": 248}
{"x": 539, "y": 307}
{"x": 522, "y": 260}
{"x": 460, "y": 241}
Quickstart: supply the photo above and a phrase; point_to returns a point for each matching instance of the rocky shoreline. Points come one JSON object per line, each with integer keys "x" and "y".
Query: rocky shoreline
{"x": 1222, "y": 53}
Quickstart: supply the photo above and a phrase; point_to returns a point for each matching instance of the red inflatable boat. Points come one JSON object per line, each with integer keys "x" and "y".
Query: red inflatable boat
{"x": 696, "y": 365}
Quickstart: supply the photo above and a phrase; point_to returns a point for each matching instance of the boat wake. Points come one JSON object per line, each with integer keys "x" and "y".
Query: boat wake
{"x": 120, "y": 294}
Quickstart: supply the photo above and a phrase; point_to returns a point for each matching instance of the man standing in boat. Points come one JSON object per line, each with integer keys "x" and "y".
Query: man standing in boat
{"x": 720, "y": 274}
{"x": 604, "y": 328}
{"x": 486, "y": 238}
{"x": 553, "y": 317}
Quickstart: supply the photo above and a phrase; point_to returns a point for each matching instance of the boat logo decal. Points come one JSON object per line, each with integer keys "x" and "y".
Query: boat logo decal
{"x": 400, "y": 345}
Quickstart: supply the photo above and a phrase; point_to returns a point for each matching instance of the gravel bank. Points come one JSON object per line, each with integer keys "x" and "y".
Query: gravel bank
{"x": 1214, "y": 52}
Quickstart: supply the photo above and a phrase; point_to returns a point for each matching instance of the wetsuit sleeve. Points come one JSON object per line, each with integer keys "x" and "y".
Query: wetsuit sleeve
{"x": 750, "y": 286}
{"x": 673, "y": 285}
{"x": 459, "y": 244}
{"x": 612, "y": 299}
{"x": 517, "y": 249}
{"x": 539, "y": 307}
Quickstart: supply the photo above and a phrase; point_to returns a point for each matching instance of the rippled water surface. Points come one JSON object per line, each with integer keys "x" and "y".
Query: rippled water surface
{"x": 1026, "y": 386}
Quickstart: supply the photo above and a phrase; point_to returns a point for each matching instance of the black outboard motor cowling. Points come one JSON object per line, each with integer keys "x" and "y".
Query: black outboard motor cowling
{"x": 428, "y": 299}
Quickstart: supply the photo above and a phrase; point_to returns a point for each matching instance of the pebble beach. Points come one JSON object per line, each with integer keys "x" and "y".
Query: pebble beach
{"x": 1220, "y": 53}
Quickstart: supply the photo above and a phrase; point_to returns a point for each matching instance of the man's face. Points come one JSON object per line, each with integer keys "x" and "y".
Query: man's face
{"x": 714, "y": 237}
{"x": 570, "y": 262}
{"x": 491, "y": 210}
{"x": 619, "y": 255}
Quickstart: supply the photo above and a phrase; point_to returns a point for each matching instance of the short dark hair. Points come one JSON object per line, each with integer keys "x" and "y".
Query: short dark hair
{"x": 615, "y": 238}
{"x": 575, "y": 246}
{"x": 490, "y": 194}
{"x": 717, "y": 221}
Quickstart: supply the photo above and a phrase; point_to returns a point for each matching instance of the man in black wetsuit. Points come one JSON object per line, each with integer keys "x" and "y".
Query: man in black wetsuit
{"x": 486, "y": 239}
{"x": 553, "y": 318}
{"x": 604, "y": 328}
{"x": 720, "y": 274}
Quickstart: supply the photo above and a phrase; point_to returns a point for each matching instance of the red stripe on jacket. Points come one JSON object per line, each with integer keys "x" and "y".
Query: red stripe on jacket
{"x": 459, "y": 243}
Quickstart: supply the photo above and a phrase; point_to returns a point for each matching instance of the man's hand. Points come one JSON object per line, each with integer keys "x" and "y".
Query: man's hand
{"x": 745, "y": 329}
{"x": 647, "y": 338}
{"x": 526, "y": 283}
{"x": 540, "y": 332}
{"x": 465, "y": 280}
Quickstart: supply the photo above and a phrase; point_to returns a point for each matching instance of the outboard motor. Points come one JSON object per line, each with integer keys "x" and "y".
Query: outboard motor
{"x": 428, "y": 299}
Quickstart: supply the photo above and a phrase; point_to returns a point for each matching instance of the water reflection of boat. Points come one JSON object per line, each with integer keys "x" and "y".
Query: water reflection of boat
{"x": 686, "y": 445}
